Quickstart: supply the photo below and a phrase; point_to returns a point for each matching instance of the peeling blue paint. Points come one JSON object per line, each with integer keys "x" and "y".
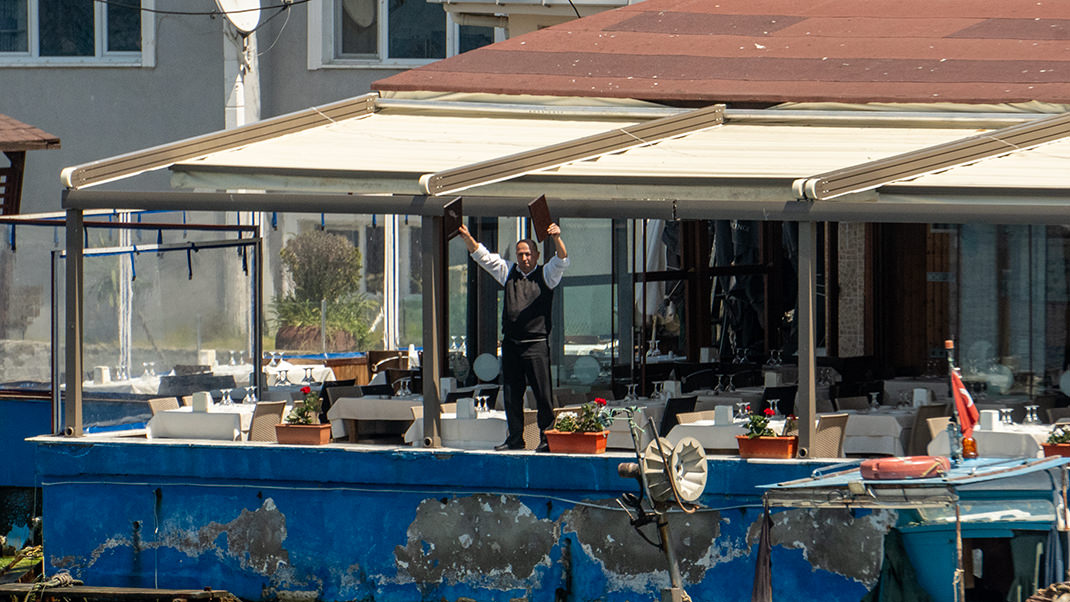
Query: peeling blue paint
{"x": 332, "y": 523}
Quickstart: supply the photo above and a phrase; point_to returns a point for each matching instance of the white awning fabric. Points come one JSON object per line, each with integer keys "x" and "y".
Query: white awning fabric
{"x": 376, "y": 147}
{"x": 386, "y": 153}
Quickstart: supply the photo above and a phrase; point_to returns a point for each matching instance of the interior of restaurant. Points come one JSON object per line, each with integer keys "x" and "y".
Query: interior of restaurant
{"x": 709, "y": 305}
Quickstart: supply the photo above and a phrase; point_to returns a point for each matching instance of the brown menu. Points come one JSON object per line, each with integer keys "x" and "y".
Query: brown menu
{"x": 540, "y": 217}
{"x": 451, "y": 218}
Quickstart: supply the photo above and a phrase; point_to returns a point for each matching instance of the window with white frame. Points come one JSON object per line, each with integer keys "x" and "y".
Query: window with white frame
{"x": 66, "y": 32}
{"x": 403, "y": 33}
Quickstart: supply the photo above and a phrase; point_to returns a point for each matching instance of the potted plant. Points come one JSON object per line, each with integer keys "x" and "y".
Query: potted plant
{"x": 1058, "y": 443}
{"x": 302, "y": 426}
{"x": 322, "y": 269}
{"x": 761, "y": 442}
{"x": 584, "y": 432}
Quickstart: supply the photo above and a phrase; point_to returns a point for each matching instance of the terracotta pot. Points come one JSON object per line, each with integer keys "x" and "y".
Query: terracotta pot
{"x": 303, "y": 434}
{"x": 767, "y": 447}
{"x": 1056, "y": 449}
{"x": 577, "y": 443}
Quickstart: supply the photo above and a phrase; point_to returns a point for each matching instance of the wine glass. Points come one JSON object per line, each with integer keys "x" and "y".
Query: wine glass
{"x": 1005, "y": 416}
{"x": 774, "y": 405}
{"x": 307, "y": 380}
{"x": 250, "y": 395}
{"x": 283, "y": 378}
{"x": 227, "y": 400}
{"x": 874, "y": 405}
{"x": 741, "y": 410}
{"x": 276, "y": 357}
{"x": 1031, "y": 415}
{"x": 631, "y": 394}
{"x": 233, "y": 360}
{"x": 731, "y": 383}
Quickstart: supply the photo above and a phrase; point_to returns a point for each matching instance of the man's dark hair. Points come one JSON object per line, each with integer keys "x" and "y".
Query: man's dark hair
{"x": 532, "y": 245}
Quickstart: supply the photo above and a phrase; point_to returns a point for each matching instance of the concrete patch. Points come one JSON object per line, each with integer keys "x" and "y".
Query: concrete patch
{"x": 632, "y": 564}
{"x": 833, "y": 540}
{"x": 483, "y": 541}
{"x": 254, "y": 538}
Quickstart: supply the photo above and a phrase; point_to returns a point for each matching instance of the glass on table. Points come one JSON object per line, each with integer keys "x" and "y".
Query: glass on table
{"x": 741, "y": 410}
{"x": 1005, "y": 416}
{"x": 250, "y": 395}
{"x": 631, "y": 394}
{"x": 774, "y": 404}
{"x": 874, "y": 404}
{"x": 307, "y": 380}
{"x": 1031, "y": 415}
{"x": 226, "y": 400}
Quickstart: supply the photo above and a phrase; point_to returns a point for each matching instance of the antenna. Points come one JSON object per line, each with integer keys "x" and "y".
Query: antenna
{"x": 244, "y": 15}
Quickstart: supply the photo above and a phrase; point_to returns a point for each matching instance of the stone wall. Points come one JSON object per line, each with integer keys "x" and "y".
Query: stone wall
{"x": 852, "y": 301}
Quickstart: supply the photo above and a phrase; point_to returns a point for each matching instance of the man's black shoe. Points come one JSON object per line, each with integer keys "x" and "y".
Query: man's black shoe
{"x": 507, "y": 446}
{"x": 542, "y": 448}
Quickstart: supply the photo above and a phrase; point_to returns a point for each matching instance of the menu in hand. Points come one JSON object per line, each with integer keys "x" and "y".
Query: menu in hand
{"x": 540, "y": 217}
{"x": 451, "y": 217}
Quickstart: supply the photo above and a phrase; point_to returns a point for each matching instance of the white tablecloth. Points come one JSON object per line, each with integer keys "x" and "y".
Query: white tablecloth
{"x": 374, "y": 408}
{"x": 483, "y": 432}
{"x": 225, "y": 422}
{"x": 717, "y": 437}
{"x": 886, "y": 432}
{"x": 295, "y": 373}
{"x": 1007, "y": 441}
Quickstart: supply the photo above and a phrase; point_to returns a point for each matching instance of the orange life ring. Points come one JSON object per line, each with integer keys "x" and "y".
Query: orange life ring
{"x": 909, "y": 467}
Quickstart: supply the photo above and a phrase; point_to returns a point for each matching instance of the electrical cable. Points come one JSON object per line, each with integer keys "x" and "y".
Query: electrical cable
{"x": 202, "y": 13}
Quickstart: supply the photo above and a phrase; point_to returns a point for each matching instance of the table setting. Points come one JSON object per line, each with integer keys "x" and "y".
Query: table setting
{"x": 998, "y": 435}
{"x": 220, "y": 421}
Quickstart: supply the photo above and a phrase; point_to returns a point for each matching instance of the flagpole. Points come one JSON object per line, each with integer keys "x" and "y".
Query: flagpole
{"x": 967, "y": 445}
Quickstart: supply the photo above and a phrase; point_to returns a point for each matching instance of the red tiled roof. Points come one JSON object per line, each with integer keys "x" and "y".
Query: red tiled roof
{"x": 17, "y": 136}
{"x": 771, "y": 51}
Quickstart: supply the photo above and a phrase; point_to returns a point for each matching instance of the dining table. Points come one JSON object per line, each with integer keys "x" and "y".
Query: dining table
{"x": 345, "y": 411}
{"x": 882, "y": 432}
{"x": 225, "y": 422}
{"x": 716, "y": 437}
{"x": 483, "y": 431}
{"x": 1002, "y": 441}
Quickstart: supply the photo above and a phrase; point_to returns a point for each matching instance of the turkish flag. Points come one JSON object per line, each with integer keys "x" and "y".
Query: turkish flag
{"x": 968, "y": 414}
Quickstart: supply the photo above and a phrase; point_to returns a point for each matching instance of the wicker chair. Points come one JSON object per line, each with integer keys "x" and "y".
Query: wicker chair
{"x": 266, "y": 415}
{"x": 937, "y": 425}
{"x": 828, "y": 438}
{"x": 919, "y": 436}
{"x": 689, "y": 417}
{"x": 160, "y": 404}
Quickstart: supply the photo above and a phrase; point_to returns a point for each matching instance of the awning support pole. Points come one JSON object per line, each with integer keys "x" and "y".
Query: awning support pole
{"x": 434, "y": 318}
{"x": 72, "y": 410}
{"x": 806, "y": 348}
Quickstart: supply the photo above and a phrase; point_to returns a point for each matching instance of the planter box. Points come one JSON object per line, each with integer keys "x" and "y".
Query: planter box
{"x": 767, "y": 447}
{"x": 577, "y": 443}
{"x": 303, "y": 434}
{"x": 1056, "y": 449}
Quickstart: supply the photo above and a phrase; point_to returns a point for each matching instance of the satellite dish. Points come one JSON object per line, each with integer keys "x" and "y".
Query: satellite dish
{"x": 687, "y": 468}
{"x": 244, "y": 15}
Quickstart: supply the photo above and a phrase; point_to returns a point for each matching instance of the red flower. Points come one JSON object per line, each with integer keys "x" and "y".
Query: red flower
{"x": 306, "y": 389}
{"x": 600, "y": 401}
{"x": 769, "y": 411}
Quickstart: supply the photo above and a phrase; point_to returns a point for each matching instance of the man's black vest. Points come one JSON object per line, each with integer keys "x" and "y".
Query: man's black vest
{"x": 527, "y": 307}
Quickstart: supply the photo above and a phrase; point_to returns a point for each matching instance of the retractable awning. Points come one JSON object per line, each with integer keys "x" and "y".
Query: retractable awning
{"x": 696, "y": 167}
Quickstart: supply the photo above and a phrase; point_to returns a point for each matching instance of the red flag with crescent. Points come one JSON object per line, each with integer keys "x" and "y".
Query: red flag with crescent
{"x": 968, "y": 414}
